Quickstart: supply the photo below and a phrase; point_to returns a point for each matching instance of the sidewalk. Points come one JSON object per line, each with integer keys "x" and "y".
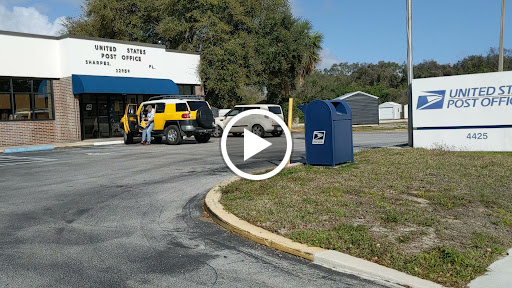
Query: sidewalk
{"x": 498, "y": 275}
{"x": 42, "y": 147}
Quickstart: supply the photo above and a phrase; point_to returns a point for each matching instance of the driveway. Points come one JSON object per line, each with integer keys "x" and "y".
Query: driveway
{"x": 130, "y": 216}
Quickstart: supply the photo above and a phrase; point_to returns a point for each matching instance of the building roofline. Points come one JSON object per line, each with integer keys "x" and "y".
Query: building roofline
{"x": 21, "y": 34}
{"x": 353, "y": 93}
{"x": 391, "y": 103}
{"x": 182, "y": 51}
{"x": 66, "y": 36}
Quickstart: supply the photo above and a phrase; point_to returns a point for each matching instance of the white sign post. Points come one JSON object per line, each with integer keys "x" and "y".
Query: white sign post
{"x": 463, "y": 113}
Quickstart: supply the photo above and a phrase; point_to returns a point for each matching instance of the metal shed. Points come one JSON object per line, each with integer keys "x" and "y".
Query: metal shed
{"x": 365, "y": 107}
{"x": 390, "y": 110}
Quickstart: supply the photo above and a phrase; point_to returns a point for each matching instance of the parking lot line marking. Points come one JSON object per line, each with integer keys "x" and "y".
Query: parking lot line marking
{"x": 18, "y": 160}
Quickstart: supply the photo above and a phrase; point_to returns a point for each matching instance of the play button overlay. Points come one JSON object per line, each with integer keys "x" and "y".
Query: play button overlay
{"x": 255, "y": 146}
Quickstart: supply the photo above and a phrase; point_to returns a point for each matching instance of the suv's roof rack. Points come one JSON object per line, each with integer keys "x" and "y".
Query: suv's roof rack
{"x": 181, "y": 97}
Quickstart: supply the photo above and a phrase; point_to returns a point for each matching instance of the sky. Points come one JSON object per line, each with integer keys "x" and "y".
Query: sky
{"x": 354, "y": 30}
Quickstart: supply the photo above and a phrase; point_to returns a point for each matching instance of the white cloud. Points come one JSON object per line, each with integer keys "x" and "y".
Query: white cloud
{"x": 29, "y": 20}
{"x": 327, "y": 59}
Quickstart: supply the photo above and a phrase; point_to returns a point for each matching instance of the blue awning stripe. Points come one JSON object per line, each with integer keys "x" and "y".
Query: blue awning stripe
{"x": 122, "y": 85}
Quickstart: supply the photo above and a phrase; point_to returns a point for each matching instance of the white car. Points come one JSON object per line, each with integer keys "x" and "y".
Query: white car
{"x": 257, "y": 124}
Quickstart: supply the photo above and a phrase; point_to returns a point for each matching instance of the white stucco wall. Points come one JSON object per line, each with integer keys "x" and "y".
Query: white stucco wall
{"x": 24, "y": 55}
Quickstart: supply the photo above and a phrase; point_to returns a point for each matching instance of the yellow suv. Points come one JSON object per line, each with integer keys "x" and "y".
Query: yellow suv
{"x": 176, "y": 116}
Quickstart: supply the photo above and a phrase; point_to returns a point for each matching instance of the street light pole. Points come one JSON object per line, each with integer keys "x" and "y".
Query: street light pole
{"x": 410, "y": 75}
{"x": 500, "y": 65}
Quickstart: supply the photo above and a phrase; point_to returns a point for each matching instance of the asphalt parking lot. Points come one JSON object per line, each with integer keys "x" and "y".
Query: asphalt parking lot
{"x": 131, "y": 216}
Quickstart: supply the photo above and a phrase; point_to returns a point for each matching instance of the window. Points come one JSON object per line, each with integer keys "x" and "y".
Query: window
{"x": 5, "y": 85}
{"x": 5, "y": 106}
{"x": 275, "y": 109}
{"x": 5, "y": 99}
{"x": 22, "y": 110}
{"x": 194, "y": 105}
{"x": 181, "y": 107}
{"x": 25, "y": 99}
{"x": 22, "y": 85}
{"x": 186, "y": 89}
{"x": 42, "y": 106}
{"x": 159, "y": 107}
{"x": 233, "y": 112}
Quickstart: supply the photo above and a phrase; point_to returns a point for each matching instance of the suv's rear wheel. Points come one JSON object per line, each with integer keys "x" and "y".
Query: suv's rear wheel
{"x": 173, "y": 135}
{"x": 277, "y": 134}
{"x": 258, "y": 130}
{"x": 128, "y": 138}
{"x": 202, "y": 138}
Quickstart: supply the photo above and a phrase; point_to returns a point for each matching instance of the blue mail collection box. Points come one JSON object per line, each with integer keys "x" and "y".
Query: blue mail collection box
{"x": 328, "y": 126}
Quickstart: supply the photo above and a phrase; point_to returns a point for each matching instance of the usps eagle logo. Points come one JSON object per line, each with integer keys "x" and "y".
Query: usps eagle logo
{"x": 432, "y": 100}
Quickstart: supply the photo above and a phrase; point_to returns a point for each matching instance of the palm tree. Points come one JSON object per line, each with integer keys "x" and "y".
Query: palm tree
{"x": 310, "y": 50}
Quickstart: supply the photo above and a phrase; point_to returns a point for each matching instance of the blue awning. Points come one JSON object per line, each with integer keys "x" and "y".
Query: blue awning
{"x": 122, "y": 85}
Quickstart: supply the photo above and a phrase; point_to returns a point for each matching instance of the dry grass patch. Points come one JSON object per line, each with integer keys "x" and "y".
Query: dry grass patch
{"x": 443, "y": 216}
{"x": 383, "y": 127}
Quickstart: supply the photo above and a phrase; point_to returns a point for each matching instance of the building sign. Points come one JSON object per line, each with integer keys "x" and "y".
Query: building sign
{"x": 114, "y": 59}
{"x": 109, "y": 55}
{"x": 468, "y": 112}
{"x": 98, "y": 58}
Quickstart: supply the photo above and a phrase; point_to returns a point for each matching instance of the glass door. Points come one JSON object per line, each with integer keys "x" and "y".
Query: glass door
{"x": 89, "y": 115}
{"x": 116, "y": 106}
{"x": 103, "y": 113}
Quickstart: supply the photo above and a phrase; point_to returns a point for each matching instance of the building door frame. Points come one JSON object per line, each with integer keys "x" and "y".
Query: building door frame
{"x": 110, "y": 98}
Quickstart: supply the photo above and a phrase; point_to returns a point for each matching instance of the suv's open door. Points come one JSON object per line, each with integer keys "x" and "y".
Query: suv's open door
{"x": 130, "y": 123}
{"x": 131, "y": 118}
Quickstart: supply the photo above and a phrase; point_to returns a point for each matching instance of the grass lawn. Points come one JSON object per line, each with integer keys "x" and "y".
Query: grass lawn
{"x": 442, "y": 216}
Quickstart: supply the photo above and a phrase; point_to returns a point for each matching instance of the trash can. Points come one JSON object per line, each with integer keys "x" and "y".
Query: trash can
{"x": 328, "y": 125}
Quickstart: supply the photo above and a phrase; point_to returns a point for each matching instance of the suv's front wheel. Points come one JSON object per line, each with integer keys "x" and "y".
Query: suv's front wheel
{"x": 173, "y": 135}
{"x": 202, "y": 138}
{"x": 128, "y": 138}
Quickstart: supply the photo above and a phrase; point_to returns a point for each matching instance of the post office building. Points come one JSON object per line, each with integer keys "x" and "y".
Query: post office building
{"x": 70, "y": 88}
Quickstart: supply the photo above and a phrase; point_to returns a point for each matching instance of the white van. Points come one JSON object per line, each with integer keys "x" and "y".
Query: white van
{"x": 257, "y": 124}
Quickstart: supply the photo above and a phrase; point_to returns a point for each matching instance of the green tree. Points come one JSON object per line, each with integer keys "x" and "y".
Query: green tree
{"x": 247, "y": 46}
{"x": 131, "y": 20}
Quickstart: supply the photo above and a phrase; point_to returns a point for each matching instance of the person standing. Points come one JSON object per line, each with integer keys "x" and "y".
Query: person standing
{"x": 146, "y": 132}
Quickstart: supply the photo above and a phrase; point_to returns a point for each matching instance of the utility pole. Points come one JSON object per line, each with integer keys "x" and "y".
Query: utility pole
{"x": 500, "y": 65}
{"x": 410, "y": 75}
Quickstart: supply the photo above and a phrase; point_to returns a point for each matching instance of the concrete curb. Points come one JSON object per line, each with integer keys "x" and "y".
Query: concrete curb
{"x": 247, "y": 230}
{"x": 28, "y": 149}
{"x": 327, "y": 258}
{"x": 56, "y": 146}
{"x": 367, "y": 269}
{"x": 108, "y": 143}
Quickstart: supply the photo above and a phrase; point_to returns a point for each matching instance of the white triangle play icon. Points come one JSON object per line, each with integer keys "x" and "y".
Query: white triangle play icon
{"x": 253, "y": 144}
